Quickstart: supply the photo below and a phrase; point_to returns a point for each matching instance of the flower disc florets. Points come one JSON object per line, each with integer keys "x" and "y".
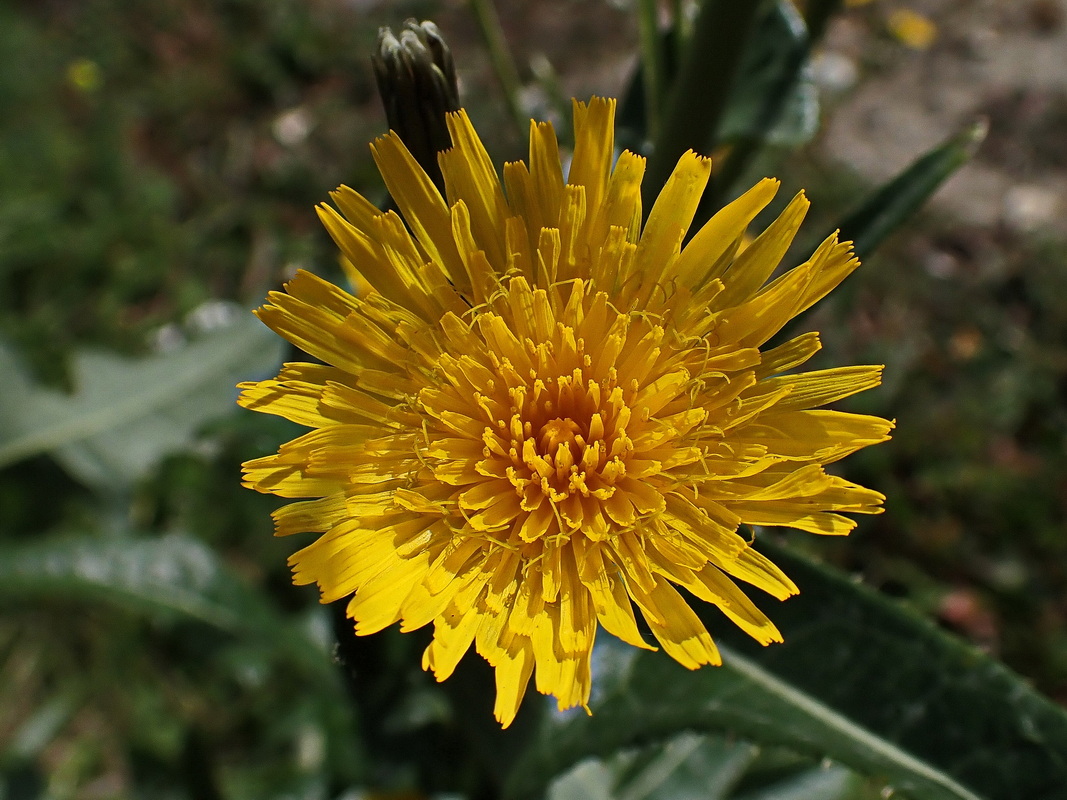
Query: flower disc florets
{"x": 542, "y": 414}
{"x": 572, "y": 435}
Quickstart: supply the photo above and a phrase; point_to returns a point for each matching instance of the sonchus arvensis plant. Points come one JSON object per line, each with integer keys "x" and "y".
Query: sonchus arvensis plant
{"x": 543, "y": 414}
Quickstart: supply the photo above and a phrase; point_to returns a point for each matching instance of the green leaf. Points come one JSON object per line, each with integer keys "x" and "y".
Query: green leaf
{"x": 774, "y": 99}
{"x": 892, "y": 204}
{"x": 177, "y": 580}
{"x": 36, "y": 732}
{"x": 771, "y": 99}
{"x": 173, "y": 576}
{"x": 694, "y": 766}
{"x": 127, "y": 414}
{"x": 169, "y": 578}
{"x": 688, "y": 766}
{"x": 652, "y": 69}
{"x": 832, "y": 782}
{"x": 859, "y": 679}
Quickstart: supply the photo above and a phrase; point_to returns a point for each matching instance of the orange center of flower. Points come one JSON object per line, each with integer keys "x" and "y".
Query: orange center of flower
{"x": 571, "y": 455}
{"x": 556, "y": 428}
{"x": 565, "y": 432}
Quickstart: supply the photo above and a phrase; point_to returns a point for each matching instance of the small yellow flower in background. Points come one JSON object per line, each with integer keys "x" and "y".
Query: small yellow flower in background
{"x": 544, "y": 415}
{"x": 912, "y": 29}
{"x": 84, "y": 75}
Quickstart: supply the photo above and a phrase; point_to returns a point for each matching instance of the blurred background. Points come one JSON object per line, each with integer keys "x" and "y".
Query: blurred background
{"x": 159, "y": 164}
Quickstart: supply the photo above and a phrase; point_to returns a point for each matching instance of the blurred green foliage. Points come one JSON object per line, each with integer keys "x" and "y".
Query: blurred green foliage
{"x": 164, "y": 154}
{"x": 155, "y": 156}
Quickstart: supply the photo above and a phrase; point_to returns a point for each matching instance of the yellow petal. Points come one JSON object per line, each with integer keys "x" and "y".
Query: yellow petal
{"x": 546, "y": 178}
{"x": 711, "y": 585}
{"x": 754, "y": 266}
{"x": 608, "y": 593}
{"x": 622, "y": 204}
{"x": 702, "y": 259}
{"x": 756, "y": 569}
{"x": 512, "y": 676}
{"x": 418, "y": 199}
{"x": 309, "y": 516}
{"x": 789, "y": 354}
{"x": 469, "y": 176}
{"x": 819, "y": 435}
{"x": 594, "y": 142}
{"x": 812, "y": 389}
{"x": 676, "y": 627}
{"x": 668, "y": 222}
{"x": 295, "y": 401}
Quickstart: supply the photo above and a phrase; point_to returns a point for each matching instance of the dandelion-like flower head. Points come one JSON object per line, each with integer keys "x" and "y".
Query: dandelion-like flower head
{"x": 542, "y": 415}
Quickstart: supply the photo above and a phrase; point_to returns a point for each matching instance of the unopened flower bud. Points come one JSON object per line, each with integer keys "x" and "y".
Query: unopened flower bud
{"x": 417, "y": 82}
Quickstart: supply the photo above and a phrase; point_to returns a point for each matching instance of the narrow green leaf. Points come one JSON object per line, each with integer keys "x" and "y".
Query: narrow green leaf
{"x": 633, "y": 120}
{"x": 652, "y": 701}
{"x": 652, "y": 70}
{"x": 588, "y": 780}
{"x": 770, "y": 100}
{"x": 692, "y": 766}
{"x": 687, "y": 766}
{"x": 126, "y": 414}
{"x": 774, "y": 102}
{"x": 500, "y": 57}
{"x": 891, "y": 205}
{"x": 897, "y": 675}
{"x": 859, "y": 679}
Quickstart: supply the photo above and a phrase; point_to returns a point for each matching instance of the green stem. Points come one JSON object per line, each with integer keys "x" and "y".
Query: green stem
{"x": 700, "y": 91}
{"x": 651, "y": 63}
{"x": 679, "y": 28}
{"x": 503, "y": 64}
{"x": 548, "y": 79}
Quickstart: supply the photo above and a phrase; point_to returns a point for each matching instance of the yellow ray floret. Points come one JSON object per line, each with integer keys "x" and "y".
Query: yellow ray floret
{"x": 539, "y": 418}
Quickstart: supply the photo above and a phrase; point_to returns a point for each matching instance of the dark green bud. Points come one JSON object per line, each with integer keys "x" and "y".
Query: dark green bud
{"x": 417, "y": 82}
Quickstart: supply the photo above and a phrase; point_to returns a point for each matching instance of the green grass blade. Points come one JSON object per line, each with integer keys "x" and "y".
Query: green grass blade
{"x": 892, "y": 204}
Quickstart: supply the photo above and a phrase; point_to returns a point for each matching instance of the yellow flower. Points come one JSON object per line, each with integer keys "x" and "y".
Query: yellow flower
{"x": 543, "y": 414}
{"x": 912, "y": 28}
